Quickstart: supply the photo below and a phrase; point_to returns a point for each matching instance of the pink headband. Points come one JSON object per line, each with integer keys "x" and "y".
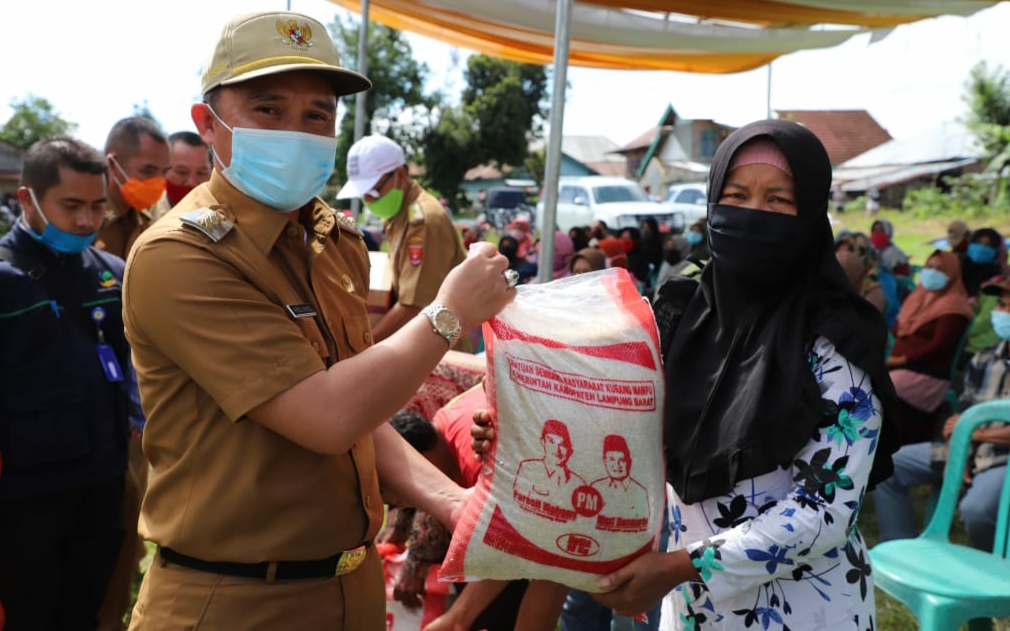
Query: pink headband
{"x": 761, "y": 151}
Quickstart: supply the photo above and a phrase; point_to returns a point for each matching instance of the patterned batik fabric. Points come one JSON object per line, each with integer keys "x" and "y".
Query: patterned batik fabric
{"x": 782, "y": 551}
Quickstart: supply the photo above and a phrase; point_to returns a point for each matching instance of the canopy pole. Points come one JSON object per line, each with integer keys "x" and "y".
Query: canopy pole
{"x": 768, "y": 92}
{"x": 359, "y": 99}
{"x": 552, "y": 170}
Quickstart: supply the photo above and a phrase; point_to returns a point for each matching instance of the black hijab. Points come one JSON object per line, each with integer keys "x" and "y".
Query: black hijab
{"x": 741, "y": 397}
{"x": 974, "y": 274}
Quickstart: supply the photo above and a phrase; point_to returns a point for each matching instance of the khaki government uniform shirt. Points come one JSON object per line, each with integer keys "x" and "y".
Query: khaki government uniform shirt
{"x": 423, "y": 247}
{"x": 209, "y": 346}
{"x": 120, "y": 229}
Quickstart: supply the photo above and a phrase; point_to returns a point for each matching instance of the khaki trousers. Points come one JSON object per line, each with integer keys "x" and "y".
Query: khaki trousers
{"x": 174, "y": 598}
{"x": 117, "y": 599}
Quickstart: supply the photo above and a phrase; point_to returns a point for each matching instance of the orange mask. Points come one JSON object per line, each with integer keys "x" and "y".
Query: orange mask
{"x": 139, "y": 194}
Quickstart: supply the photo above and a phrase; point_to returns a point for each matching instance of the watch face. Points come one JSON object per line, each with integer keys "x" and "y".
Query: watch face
{"x": 446, "y": 321}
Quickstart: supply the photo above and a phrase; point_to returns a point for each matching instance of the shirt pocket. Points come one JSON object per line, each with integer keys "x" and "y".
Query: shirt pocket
{"x": 357, "y": 332}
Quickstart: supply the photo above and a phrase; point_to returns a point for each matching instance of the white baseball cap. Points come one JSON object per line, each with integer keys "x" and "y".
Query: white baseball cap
{"x": 368, "y": 160}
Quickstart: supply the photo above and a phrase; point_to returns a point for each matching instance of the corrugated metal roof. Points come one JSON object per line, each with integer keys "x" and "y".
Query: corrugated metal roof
{"x": 947, "y": 141}
{"x": 859, "y": 179}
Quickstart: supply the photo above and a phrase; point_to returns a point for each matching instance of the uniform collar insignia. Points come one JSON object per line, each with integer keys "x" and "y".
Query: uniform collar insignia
{"x": 212, "y": 223}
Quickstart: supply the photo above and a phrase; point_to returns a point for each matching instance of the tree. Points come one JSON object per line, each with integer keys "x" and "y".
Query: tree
{"x": 143, "y": 110}
{"x": 397, "y": 95}
{"x": 987, "y": 94}
{"x": 34, "y": 118}
{"x": 502, "y": 110}
{"x": 506, "y": 100}
{"x": 449, "y": 151}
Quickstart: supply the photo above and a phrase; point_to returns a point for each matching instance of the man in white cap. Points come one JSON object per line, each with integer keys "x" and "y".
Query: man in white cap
{"x": 246, "y": 308}
{"x": 423, "y": 243}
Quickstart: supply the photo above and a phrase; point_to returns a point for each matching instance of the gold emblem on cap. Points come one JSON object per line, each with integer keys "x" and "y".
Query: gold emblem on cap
{"x": 348, "y": 284}
{"x": 295, "y": 36}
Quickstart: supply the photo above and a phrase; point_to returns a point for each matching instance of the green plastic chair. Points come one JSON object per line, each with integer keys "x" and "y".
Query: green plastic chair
{"x": 950, "y": 398}
{"x": 943, "y": 583}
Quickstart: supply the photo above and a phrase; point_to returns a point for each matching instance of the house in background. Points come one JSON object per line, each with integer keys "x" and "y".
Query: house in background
{"x": 845, "y": 133}
{"x": 12, "y": 159}
{"x": 675, "y": 150}
{"x": 900, "y": 165}
{"x": 580, "y": 155}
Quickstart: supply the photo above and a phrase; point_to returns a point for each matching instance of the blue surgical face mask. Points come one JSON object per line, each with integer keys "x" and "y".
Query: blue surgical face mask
{"x": 693, "y": 238}
{"x": 280, "y": 169}
{"x": 932, "y": 279}
{"x": 1001, "y": 323}
{"x": 981, "y": 254}
{"x": 54, "y": 238}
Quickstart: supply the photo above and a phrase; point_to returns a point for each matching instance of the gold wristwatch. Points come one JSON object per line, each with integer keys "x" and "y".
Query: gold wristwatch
{"x": 444, "y": 323}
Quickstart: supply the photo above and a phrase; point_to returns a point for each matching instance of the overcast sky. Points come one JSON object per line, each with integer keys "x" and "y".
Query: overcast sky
{"x": 94, "y": 60}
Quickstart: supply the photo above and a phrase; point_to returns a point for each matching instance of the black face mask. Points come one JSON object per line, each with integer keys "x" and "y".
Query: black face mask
{"x": 755, "y": 246}
{"x": 671, "y": 255}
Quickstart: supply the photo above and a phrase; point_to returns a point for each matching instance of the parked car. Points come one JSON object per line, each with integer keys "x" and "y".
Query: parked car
{"x": 618, "y": 202}
{"x": 690, "y": 198}
{"x": 503, "y": 205}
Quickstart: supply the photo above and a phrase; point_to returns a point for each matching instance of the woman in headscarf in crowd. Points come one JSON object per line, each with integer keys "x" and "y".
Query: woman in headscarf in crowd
{"x": 675, "y": 251}
{"x": 891, "y": 257}
{"x": 652, "y": 243}
{"x": 508, "y": 246}
{"x": 563, "y": 251}
{"x": 930, "y": 325}
{"x": 957, "y": 238}
{"x": 981, "y": 259}
{"x": 858, "y": 260}
{"x": 580, "y": 237}
{"x": 697, "y": 237}
{"x": 775, "y": 403}
{"x": 587, "y": 260}
{"x": 638, "y": 262}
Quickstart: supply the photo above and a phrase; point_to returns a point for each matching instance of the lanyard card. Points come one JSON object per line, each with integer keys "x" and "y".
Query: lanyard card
{"x": 110, "y": 364}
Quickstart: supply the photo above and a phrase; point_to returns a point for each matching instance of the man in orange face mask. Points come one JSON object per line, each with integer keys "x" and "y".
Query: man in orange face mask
{"x": 137, "y": 155}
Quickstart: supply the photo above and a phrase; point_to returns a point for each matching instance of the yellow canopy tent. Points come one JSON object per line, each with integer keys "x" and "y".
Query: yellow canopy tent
{"x": 711, "y": 36}
{"x": 683, "y": 35}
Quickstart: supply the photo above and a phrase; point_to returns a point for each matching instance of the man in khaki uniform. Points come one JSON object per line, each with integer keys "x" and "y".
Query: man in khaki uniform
{"x": 423, "y": 243}
{"x": 189, "y": 167}
{"x": 246, "y": 308}
{"x": 137, "y": 153}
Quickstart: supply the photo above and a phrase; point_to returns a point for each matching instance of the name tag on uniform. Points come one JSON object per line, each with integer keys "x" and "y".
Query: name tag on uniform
{"x": 301, "y": 311}
{"x": 109, "y": 362}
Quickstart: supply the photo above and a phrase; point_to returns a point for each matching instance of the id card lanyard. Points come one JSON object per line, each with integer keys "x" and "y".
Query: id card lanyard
{"x": 106, "y": 354}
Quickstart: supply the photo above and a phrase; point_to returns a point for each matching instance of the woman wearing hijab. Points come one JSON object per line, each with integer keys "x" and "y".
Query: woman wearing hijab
{"x": 676, "y": 249}
{"x": 891, "y": 257}
{"x": 697, "y": 237}
{"x": 587, "y": 260}
{"x": 930, "y": 325}
{"x": 776, "y": 395}
{"x": 981, "y": 259}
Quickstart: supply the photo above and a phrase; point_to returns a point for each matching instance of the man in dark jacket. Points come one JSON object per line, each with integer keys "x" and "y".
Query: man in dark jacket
{"x": 64, "y": 405}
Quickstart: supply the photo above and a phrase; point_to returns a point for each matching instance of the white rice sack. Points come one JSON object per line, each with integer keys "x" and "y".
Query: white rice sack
{"x": 575, "y": 484}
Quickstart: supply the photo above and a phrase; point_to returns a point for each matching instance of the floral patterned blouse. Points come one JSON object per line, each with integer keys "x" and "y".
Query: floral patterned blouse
{"x": 782, "y": 551}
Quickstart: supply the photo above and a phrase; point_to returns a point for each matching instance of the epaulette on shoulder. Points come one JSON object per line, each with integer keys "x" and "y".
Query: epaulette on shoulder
{"x": 212, "y": 223}
{"x": 347, "y": 224}
{"x": 416, "y": 211}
